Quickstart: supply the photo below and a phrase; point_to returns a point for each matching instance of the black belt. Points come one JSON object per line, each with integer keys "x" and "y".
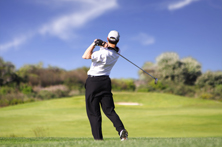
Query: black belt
{"x": 98, "y": 76}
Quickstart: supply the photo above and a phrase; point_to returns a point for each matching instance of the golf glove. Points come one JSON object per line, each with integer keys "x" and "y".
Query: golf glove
{"x": 99, "y": 42}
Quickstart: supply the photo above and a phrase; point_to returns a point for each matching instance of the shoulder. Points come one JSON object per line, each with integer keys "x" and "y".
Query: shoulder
{"x": 114, "y": 49}
{"x": 100, "y": 53}
{"x": 117, "y": 49}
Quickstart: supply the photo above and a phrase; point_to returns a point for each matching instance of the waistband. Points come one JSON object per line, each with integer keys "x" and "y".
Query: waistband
{"x": 98, "y": 76}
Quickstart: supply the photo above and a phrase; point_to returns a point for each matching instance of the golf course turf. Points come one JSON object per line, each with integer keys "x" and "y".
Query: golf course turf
{"x": 112, "y": 142}
{"x": 158, "y": 120}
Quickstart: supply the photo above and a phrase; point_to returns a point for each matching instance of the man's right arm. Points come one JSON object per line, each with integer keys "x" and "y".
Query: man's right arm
{"x": 89, "y": 51}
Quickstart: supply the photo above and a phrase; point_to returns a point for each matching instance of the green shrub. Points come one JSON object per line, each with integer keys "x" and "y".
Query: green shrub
{"x": 218, "y": 92}
{"x": 184, "y": 90}
{"x": 123, "y": 85}
{"x": 169, "y": 90}
{"x": 145, "y": 88}
{"x": 184, "y": 71}
{"x": 206, "y": 96}
{"x": 179, "y": 89}
{"x": 6, "y": 90}
{"x": 28, "y": 100}
{"x": 60, "y": 93}
{"x": 15, "y": 101}
{"x": 44, "y": 94}
{"x": 25, "y": 89}
{"x": 158, "y": 86}
{"x": 11, "y": 99}
{"x": 210, "y": 79}
{"x": 218, "y": 89}
{"x": 4, "y": 102}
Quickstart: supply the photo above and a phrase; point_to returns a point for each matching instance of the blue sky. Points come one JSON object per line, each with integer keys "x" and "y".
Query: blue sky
{"x": 57, "y": 32}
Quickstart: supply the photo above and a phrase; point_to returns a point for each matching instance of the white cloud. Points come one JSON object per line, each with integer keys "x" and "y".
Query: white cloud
{"x": 64, "y": 25}
{"x": 144, "y": 39}
{"x": 180, "y": 4}
{"x": 13, "y": 44}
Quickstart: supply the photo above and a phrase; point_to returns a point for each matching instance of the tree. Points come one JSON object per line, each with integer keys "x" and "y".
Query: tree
{"x": 210, "y": 78}
{"x": 36, "y": 75}
{"x": 192, "y": 70}
{"x": 7, "y": 73}
{"x": 148, "y": 67}
{"x": 75, "y": 79}
{"x": 171, "y": 68}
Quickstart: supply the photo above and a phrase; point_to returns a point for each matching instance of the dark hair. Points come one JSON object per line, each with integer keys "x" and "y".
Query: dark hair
{"x": 113, "y": 42}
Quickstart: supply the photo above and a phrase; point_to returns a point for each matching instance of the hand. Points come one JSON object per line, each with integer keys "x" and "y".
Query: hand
{"x": 99, "y": 42}
{"x": 105, "y": 45}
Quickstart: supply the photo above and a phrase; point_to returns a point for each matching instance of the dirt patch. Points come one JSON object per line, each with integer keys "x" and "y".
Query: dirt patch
{"x": 128, "y": 103}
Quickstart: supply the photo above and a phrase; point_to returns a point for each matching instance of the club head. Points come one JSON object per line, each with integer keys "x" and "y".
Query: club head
{"x": 156, "y": 80}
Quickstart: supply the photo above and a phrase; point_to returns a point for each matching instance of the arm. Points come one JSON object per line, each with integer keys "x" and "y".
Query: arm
{"x": 88, "y": 52}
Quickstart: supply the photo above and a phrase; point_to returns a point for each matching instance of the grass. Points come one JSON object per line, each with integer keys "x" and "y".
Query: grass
{"x": 112, "y": 142}
{"x": 162, "y": 119}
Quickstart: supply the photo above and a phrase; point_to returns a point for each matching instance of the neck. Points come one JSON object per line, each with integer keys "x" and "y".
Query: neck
{"x": 111, "y": 45}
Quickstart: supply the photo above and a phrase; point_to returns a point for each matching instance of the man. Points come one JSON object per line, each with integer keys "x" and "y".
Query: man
{"x": 98, "y": 85}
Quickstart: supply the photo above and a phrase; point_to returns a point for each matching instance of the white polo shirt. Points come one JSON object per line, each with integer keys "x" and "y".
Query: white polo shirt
{"x": 102, "y": 62}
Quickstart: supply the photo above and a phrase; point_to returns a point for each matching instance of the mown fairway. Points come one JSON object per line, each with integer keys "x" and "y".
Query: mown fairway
{"x": 160, "y": 115}
{"x": 111, "y": 142}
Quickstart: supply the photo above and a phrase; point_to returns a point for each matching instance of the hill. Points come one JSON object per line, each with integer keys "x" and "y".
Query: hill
{"x": 157, "y": 115}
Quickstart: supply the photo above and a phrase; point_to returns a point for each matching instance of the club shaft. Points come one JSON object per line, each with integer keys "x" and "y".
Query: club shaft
{"x": 135, "y": 65}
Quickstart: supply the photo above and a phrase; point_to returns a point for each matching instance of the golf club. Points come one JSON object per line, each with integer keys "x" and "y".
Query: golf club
{"x": 138, "y": 67}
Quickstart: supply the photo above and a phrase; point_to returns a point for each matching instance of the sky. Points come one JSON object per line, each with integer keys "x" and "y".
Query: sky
{"x": 57, "y": 32}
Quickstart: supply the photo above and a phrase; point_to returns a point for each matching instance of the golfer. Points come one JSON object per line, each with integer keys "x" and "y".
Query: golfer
{"x": 98, "y": 85}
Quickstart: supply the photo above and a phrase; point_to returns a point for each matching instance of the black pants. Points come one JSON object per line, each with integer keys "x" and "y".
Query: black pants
{"x": 98, "y": 92}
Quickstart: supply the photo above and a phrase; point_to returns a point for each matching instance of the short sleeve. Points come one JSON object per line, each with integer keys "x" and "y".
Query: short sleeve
{"x": 96, "y": 56}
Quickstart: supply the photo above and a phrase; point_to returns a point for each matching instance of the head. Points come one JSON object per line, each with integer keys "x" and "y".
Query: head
{"x": 113, "y": 37}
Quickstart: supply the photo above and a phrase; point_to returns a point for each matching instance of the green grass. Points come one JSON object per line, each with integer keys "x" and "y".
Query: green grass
{"x": 161, "y": 115}
{"x": 112, "y": 142}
